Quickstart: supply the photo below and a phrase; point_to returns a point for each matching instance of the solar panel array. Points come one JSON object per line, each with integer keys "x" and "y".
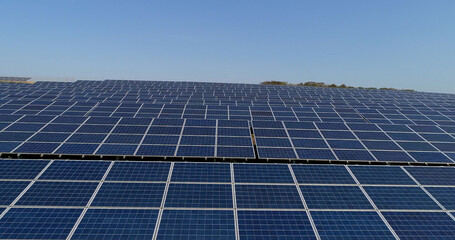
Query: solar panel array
{"x": 63, "y": 199}
{"x": 163, "y": 197}
{"x": 211, "y": 120}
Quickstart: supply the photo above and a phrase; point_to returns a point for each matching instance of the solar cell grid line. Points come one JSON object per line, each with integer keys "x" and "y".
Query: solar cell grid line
{"x": 372, "y": 203}
{"x": 33, "y": 135}
{"x": 71, "y": 134}
{"x": 434, "y": 146}
{"x": 429, "y": 194}
{"x": 326, "y": 142}
{"x": 107, "y": 136}
{"x": 302, "y": 198}
{"x": 358, "y": 139}
{"x": 393, "y": 140}
{"x": 90, "y": 200}
{"x": 234, "y": 202}
{"x": 180, "y": 138}
{"x": 163, "y": 202}
{"x": 26, "y": 189}
{"x": 143, "y": 137}
{"x": 289, "y": 137}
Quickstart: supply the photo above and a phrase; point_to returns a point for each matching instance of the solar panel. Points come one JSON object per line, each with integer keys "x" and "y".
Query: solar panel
{"x": 350, "y": 225}
{"x": 401, "y": 198}
{"x": 274, "y": 225}
{"x": 129, "y": 195}
{"x": 197, "y": 224}
{"x": 260, "y": 173}
{"x": 117, "y": 224}
{"x": 335, "y": 197}
{"x": 9, "y": 190}
{"x": 322, "y": 174}
{"x": 433, "y": 175}
{"x": 199, "y": 172}
{"x": 58, "y": 194}
{"x": 268, "y": 196}
{"x": 38, "y": 223}
{"x": 381, "y": 175}
{"x": 139, "y": 171}
{"x": 75, "y": 170}
{"x": 199, "y": 196}
{"x": 21, "y": 169}
{"x": 421, "y": 225}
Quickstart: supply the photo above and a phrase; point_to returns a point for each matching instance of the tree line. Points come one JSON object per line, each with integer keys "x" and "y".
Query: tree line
{"x": 322, "y": 84}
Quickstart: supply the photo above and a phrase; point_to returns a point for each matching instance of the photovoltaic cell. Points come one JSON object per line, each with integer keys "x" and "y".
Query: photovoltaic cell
{"x": 421, "y": 225}
{"x": 21, "y": 169}
{"x": 401, "y": 198}
{"x": 38, "y": 223}
{"x": 129, "y": 195}
{"x": 117, "y": 224}
{"x": 58, "y": 194}
{"x": 201, "y": 172}
{"x": 322, "y": 174}
{"x": 197, "y": 224}
{"x": 444, "y": 195}
{"x": 9, "y": 190}
{"x": 75, "y": 170}
{"x": 350, "y": 225}
{"x": 139, "y": 171}
{"x": 199, "y": 196}
{"x": 381, "y": 175}
{"x": 433, "y": 175}
{"x": 335, "y": 197}
{"x": 262, "y": 173}
{"x": 277, "y": 153}
{"x": 274, "y": 225}
{"x": 268, "y": 196}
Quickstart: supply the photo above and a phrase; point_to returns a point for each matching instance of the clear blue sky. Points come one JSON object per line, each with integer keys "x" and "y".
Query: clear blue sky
{"x": 402, "y": 44}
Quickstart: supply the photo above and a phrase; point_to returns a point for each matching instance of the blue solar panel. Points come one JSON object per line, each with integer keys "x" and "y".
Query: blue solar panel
{"x": 262, "y": 173}
{"x": 274, "y": 225}
{"x": 433, "y": 175}
{"x": 122, "y": 138}
{"x": 269, "y": 133}
{"x": 116, "y": 149}
{"x": 350, "y": 225}
{"x": 196, "y": 151}
{"x": 60, "y": 128}
{"x": 273, "y": 142}
{"x": 201, "y": 172}
{"x": 199, "y": 196}
{"x": 416, "y": 146}
{"x": 75, "y": 170}
{"x": 87, "y": 138}
{"x": 401, "y": 198}
{"x": 399, "y": 156}
{"x": 38, "y": 223}
{"x": 37, "y": 148}
{"x": 437, "y": 137}
{"x": 421, "y": 225}
{"x": 160, "y": 139}
{"x": 95, "y": 129}
{"x": 129, "y": 195}
{"x": 449, "y": 147}
{"x": 8, "y": 146}
{"x": 381, "y": 145}
{"x": 139, "y": 171}
{"x": 430, "y": 157}
{"x": 354, "y": 155}
{"x": 24, "y": 127}
{"x": 338, "y": 134}
{"x": 117, "y": 224}
{"x": 165, "y": 130}
{"x": 21, "y": 169}
{"x": 268, "y": 196}
{"x": 444, "y": 195}
{"x": 345, "y": 144}
{"x": 278, "y": 153}
{"x": 304, "y": 134}
{"x": 315, "y": 154}
{"x": 197, "y": 224}
{"x": 335, "y": 197}
{"x": 68, "y": 148}
{"x": 49, "y": 137}
{"x": 9, "y": 190}
{"x": 322, "y": 174}
{"x": 235, "y": 152}
{"x": 309, "y": 143}
{"x": 197, "y": 140}
{"x": 14, "y": 136}
{"x": 381, "y": 175}
{"x": 156, "y": 150}
{"x": 58, "y": 194}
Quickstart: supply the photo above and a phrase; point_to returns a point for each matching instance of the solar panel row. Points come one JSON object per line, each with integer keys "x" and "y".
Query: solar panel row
{"x": 200, "y": 204}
